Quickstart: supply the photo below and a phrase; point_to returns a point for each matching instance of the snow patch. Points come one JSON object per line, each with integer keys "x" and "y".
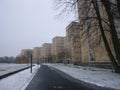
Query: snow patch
{"x": 18, "y": 81}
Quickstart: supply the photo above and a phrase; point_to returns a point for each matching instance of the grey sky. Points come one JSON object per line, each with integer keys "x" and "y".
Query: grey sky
{"x": 25, "y": 24}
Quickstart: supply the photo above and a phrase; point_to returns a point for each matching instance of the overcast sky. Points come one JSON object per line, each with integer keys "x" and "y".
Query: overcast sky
{"x": 25, "y": 24}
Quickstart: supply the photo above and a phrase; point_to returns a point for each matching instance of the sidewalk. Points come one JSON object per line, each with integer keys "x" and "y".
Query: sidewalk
{"x": 18, "y": 81}
{"x": 9, "y": 69}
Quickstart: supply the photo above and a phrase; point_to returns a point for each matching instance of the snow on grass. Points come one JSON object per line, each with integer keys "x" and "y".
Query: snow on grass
{"x": 7, "y": 68}
{"x": 100, "y": 77}
{"x": 18, "y": 81}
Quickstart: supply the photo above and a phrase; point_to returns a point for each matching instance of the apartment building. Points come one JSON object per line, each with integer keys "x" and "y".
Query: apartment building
{"x": 73, "y": 45}
{"x": 46, "y": 53}
{"x": 36, "y": 54}
{"x": 58, "y": 51}
{"x": 92, "y": 45}
{"x": 25, "y": 54}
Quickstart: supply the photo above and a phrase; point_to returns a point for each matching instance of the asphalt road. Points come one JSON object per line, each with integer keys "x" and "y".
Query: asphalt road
{"x": 50, "y": 79}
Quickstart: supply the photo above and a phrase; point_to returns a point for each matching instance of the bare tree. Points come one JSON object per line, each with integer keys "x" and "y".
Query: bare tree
{"x": 97, "y": 20}
{"x": 112, "y": 58}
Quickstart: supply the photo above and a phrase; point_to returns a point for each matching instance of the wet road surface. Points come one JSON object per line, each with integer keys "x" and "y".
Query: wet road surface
{"x": 48, "y": 78}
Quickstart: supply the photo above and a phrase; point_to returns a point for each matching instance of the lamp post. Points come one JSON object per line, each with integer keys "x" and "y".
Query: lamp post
{"x": 30, "y": 63}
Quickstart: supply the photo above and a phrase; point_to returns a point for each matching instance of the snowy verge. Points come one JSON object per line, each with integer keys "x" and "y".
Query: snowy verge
{"x": 97, "y": 76}
{"x": 9, "y": 68}
{"x": 18, "y": 81}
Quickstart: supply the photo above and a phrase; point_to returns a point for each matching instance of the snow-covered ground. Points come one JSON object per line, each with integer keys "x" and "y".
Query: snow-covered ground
{"x": 100, "y": 77}
{"x": 7, "y": 68}
{"x": 18, "y": 81}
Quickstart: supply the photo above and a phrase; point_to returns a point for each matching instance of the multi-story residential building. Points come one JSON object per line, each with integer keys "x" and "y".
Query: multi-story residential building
{"x": 46, "y": 53}
{"x": 26, "y": 53}
{"x": 58, "y": 51}
{"x": 73, "y": 45}
{"x": 36, "y": 54}
{"x": 92, "y": 45}
{"x": 66, "y": 49}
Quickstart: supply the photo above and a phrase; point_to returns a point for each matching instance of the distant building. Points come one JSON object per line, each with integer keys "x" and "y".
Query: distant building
{"x": 46, "y": 54}
{"x": 36, "y": 54}
{"x": 92, "y": 45}
{"x": 25, "y": 53}
{"x": 58, "y": 52}
{"x": 73, "y": 43}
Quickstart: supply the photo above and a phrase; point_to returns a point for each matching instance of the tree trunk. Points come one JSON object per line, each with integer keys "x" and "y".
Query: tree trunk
{"x": 113, "y": 32}
{"x": 111, "y": 56}
{"x": 118, "y": 6}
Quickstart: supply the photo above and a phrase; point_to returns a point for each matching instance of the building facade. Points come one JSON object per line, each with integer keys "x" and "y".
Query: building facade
{"x": 58, "y": 52}
{"x": 25, "y": 54}
{"x": 46, "y": 53}
{"x": 92, "y": 45}
{"x": 36, "y": 54}
{"x": 73, "y": 39}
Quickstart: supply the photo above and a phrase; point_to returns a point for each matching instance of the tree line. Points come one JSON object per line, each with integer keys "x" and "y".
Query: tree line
{"x": 7, "y": 59}
{"x": 18, "y": 59}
